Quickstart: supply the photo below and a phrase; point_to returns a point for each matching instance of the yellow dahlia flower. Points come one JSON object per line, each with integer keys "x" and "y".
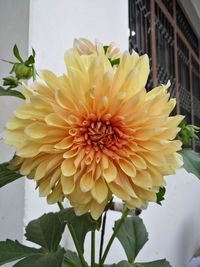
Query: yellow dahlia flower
{"x": 96, "y": 132}
{"x": 85, "y": 47}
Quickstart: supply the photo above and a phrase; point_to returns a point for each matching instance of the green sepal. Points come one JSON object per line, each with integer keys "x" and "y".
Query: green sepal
{"x": 30, "y": 61}
{"x": 105, "y": 47}
{"x": 188, "y": 132}
{"x": 115, "y": 61}
{"x": 10, "y": 81}
{"x": 17, "y": 54}
{"x": 160, "y": 195}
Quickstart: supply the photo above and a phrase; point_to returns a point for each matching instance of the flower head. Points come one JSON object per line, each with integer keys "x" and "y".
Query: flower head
{"x": 96, "y": 131}
{"x": 85, "y": 47}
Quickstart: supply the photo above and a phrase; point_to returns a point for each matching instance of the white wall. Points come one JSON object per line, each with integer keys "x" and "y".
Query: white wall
{"x": 53, "y": 26}
{"x": 174, "y": 227}
{"x": 14, "y": 19}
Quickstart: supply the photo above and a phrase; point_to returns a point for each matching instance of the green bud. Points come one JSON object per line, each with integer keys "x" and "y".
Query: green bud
{"x": 22, "y": 71}
{"x": 10, "y": 81}
{"x": 188, "y": 133}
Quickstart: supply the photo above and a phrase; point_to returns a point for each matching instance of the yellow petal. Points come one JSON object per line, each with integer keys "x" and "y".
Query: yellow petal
{"x": 142, "y": 179}
{"x": 82, "y": 209}
{"x": 86, "y": 182}
{"x": 44, "y": 188}
{"x": 56, "y": 195}
{"x": 119, "y": 191}
{"x": 148, "y": 195}
{"x": 138, "y": 162}
{"x": 68, "y": 184}
{"x": 37, "y": 130}
{"x": 100, "y": 190}
{"x": 29, "y": 150}
{"x": 97, "y": 209}
{"x": 55, "y": 176}
{"x": 65, "y": 143}
{"x": 110, "y": 173}
{"x": 68, "y": 168}
{"x": 54, "y": 119}
{"x": 41, "y": 170}
{"x": 156, "y": 159}
{"x": 127, "y": 167}
{"x": 16, "y": 123}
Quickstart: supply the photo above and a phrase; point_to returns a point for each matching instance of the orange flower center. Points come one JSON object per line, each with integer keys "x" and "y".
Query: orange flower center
{"x": 105, "y": 135}
{"x": 100, "y": 134}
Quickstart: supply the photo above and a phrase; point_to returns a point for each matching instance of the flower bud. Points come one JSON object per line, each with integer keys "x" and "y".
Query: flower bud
{"x": 22, "y": 71}
{"x": 10, "y": 81}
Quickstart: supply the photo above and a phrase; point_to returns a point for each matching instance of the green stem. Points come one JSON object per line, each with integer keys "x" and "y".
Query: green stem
{"x": 71, "y": 230}
{"x": 102, "y": 236}
{"x": 80, "y": 254}
{"x": 60, "y": 205}
{"x": 122, "y": 220}
{"x": 93, "y": 249}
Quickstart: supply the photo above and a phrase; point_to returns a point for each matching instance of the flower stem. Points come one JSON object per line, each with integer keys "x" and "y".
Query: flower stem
{"x": 60, "y": 205}
{"x": 80, "y": 254}
{"x": 102, "y": 235}
{"x": 73, "y": 235}
{"x": 93, "y": 249}
{"x": 122, "y": 220}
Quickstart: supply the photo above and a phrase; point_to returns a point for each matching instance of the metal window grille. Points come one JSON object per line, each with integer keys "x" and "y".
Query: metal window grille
{"x": 161, "y": 29}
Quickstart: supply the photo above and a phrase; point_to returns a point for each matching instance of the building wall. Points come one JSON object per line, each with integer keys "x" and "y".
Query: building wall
{"x": 174, "y": 227}
{"x": 14, "y": 21}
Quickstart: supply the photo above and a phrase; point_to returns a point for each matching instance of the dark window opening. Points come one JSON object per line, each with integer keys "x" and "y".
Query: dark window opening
{"x": 161, "y": 29}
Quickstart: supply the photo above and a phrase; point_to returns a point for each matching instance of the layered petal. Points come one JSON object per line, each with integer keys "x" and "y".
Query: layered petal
{"x": 95, "y": 131}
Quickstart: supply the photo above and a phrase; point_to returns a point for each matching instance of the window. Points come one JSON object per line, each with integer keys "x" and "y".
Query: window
{"x": 161, "y": 29}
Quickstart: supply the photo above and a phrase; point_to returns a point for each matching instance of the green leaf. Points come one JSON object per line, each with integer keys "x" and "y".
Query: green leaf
{"x": 158, "y": 263}
{"x": 160, "y": 195}
{"x": 132, "y": 235}
{"x": 53, "y": 259}
{"x": 71, "y": 259}
{"x": 16, "y": 53}
{"x": 120, "y": 264}
{"x": 4, "y": 92}
{"x": 46, "y": 231}
{"x": 191, "y": 161}
{"x": 6, "y": 175}
{"x": 81, "y": 224}
{"x": 13, "y": 250}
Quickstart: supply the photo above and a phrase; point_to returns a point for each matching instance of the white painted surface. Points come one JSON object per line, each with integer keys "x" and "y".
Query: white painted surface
{"x": 13, "y": 29}
{"x": 53, "y": 26}
{"x": 174, "y": 227}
